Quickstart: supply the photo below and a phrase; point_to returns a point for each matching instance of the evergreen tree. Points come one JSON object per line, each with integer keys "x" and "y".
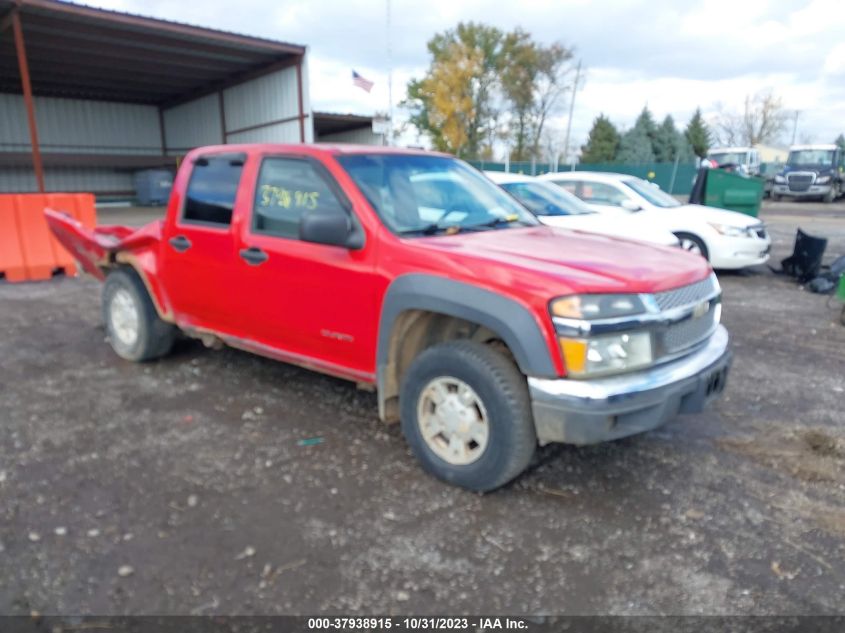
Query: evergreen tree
{"x": 670, "y": 144}
{"x": 667, "y": 141}
{"x": 645, "y": 122}
{"x": 840, "y": 141}
{"x": 698, "y": 135}
{"x": 603, "y": 142}
{"x": 635, "y": 147}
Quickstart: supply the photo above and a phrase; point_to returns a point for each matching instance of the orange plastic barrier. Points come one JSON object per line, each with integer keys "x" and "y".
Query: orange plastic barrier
{"x": 28, "y": 250}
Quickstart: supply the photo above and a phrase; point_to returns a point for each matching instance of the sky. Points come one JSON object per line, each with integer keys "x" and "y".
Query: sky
{"x": 669, "y": 55}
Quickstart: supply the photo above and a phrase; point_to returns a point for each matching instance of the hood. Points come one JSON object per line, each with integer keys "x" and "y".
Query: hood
{"x": 551, "y": 261}
{"x": 623, "y": 227}
{"x": 717, "y": 216}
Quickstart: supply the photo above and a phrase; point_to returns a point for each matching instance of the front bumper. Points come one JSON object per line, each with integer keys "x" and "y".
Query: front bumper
{"x": 592, "y": 411}
{"x": 814, "y": 191}
{"x": 739, "y": 252}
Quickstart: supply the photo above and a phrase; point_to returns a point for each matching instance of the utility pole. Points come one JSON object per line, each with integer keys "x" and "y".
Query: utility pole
{"x": 571, "y": 109}
{"x": 389, "y": 134}
{"x": 795, "y": 126}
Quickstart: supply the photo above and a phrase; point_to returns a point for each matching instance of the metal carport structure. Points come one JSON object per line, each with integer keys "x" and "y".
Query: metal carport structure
{"x": 101, "y": 90}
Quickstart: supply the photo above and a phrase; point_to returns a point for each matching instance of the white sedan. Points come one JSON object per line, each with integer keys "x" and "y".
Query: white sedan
{"x": 726, "y": 238}
{"x": 556, "y": 207}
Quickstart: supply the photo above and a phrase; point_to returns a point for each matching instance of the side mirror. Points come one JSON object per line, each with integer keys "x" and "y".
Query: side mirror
{"x": 630, "y": 205}
{"x": 333, "y": 228}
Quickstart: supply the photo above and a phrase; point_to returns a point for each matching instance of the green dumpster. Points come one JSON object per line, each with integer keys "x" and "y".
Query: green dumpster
{"x": 731, "y": 191}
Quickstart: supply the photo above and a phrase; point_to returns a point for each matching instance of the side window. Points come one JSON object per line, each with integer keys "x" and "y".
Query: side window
{"x": 570, "y": 185}
{"x": 601, "y": 193}
{"x": 287, "y": 188}
{"x": 212, "y": 189}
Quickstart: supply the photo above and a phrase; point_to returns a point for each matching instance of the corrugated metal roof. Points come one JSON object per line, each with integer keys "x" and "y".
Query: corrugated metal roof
{"x": 79, "y": 51}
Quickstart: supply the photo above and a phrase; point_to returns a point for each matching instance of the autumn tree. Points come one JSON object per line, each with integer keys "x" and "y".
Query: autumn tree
{"x": 602, "y": 143}
{"x": 698, "y": 135}
{"x": 475, "y": 51}
{"x": 512, "y": 85}
{"x": 762, "y": 120}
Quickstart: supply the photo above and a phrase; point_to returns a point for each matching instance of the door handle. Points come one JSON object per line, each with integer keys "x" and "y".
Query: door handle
{"x": 253, "y": 256}
{"x": 180, "y": 243}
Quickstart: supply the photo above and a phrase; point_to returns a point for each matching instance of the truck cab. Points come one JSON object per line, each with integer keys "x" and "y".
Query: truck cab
{"x": 745, "y": 159}
{"x": 483, "y": 332}
{"x": 811, "y": 171}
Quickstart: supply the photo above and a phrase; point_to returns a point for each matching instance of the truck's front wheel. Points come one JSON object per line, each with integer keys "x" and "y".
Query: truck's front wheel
{"x": 135, "y": 330}
{"x": 466, "y": 415}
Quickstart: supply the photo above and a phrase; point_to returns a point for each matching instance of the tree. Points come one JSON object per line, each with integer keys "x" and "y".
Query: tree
{"x": 602, "y": 143}
{"x": 552, "y": 82}
{"x": 645, "y": 122}
{"x": 840, "y": 142}
{"x": 762, "y": 120}
{"x": 669, "y": 144}
{"x": 448, "y": 88}
{"x": 475, "y": 51}
{"x": 698, "y": 135}
{"x": 637, "y": 144}
{"x": 635, "y": 147}
{"x": 667, "y": 141}
{"x": 495, "y": 69}
{"x": 518, "y": 77}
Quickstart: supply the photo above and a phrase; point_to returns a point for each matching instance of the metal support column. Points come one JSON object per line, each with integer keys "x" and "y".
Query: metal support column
{"x": 301, "y": 100}
{"x": 23, "y": 66}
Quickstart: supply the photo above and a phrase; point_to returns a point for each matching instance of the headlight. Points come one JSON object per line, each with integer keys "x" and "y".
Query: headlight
{"x": 606, "y": 354}
{"x": 780, "y": 179}
{"x": 822, "y": 180}
{"x": 728, "y": 230}
{"x": 597, "y": 306}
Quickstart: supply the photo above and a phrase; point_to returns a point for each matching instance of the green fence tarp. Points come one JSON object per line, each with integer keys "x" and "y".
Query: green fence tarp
{"x": 659, "y": 173}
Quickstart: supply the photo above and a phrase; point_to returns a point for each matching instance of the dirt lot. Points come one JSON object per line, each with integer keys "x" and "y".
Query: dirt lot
{"x": 181, "y": 487}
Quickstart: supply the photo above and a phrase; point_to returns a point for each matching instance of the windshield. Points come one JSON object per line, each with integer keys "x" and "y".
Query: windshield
{"x": 544, "y": 199}
{"x": 729, "y": 158}
{"x": 652, "y": 193}
{"x": 810, "y": 157}
{"x": 423, "y": 195}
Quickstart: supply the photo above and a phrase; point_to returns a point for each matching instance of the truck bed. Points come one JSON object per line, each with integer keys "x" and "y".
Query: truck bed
{"x": 94, "y": 248}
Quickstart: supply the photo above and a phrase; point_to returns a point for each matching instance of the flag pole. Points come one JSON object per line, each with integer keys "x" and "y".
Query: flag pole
{"x": 389, "y": 135}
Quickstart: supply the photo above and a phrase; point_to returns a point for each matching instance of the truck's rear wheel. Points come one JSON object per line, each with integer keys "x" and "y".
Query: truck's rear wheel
{"x": 466, "y": 415}
{"x": 135, "y": 330}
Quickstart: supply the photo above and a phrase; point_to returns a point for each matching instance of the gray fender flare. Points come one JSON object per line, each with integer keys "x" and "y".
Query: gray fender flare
{"x": 504, "y": 316}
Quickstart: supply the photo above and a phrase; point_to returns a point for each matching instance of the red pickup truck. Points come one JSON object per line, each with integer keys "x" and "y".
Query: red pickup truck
{"x": 483, "y": 331}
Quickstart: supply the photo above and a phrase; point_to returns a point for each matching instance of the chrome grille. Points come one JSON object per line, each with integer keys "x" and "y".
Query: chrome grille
{"x": 686, "y": 295}
{"x": 800, "y": 181}
{"x": 687, "y": 333}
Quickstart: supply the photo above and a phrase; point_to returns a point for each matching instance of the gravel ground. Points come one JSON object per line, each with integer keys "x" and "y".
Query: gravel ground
{"x": 181, "y": 487}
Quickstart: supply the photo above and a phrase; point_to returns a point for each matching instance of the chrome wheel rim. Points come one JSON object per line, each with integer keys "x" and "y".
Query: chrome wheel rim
{"x": 690, "y": 246}
{"x": 124, "y": 317}
{"x": 453, "y": 421}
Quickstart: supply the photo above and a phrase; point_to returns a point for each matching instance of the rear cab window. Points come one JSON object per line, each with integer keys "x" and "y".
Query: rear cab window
{"x": 212, "y": 190}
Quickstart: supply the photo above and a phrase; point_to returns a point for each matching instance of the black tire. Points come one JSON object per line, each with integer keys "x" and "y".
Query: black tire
{"x": 695, "y": 240}
{"x": 154, "y": 336}
{"x": 502, "y": 390}
{"x": 776, "y": 198}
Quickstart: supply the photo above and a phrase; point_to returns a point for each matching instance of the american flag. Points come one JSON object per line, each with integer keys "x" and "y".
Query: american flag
{"x": 364, "y": 84}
